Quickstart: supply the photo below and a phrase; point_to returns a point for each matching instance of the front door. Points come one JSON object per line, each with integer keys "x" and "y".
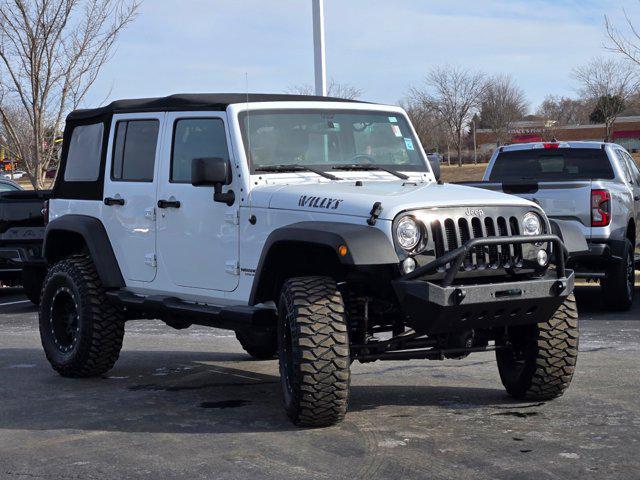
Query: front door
{"x": 130, "y": 193}
{"x": 197, "y": 237}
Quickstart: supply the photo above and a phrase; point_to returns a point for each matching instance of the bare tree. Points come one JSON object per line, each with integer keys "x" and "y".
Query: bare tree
{"x": 452, "y": 94}
{"x": 607, "y": 84}
{"x": 625, "y": 40}
{"x": 431, "y": 129}
{"x": 50, "y": 54}
{"x": 503, "y": 102}
{"x": 334, "y": 89}
{"x": 564, "y": 110}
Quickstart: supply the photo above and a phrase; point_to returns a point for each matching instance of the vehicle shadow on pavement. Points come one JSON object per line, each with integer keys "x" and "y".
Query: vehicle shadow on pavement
{"x": 187, "y": 392}
{"x": 590, "y": 302}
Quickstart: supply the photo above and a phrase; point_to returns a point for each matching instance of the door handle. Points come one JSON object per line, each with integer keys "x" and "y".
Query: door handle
{"x": 168, "y": 204}
{"x": 113, "y": 201}
{"x": 636, "y": 198}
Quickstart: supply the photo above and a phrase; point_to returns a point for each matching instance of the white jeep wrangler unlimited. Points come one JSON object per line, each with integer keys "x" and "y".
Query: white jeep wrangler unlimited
{"x": 314, "y": 228}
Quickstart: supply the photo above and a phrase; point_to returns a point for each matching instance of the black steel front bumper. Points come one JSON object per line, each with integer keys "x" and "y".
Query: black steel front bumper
{"x": 447, "y": 306}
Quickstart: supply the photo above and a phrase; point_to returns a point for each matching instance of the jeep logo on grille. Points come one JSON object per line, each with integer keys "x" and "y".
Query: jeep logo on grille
{"x": 474, "y": 212}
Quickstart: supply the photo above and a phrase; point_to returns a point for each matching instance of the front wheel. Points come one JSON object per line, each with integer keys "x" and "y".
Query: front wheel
{"x": 81, "y": 331}
{"x": 313, "y": 345}
{"x": 537, "y": 361}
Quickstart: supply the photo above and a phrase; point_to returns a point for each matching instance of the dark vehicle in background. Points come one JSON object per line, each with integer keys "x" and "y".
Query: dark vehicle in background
{"x": 21, "y": 236}
{"x": 592, "y": 186}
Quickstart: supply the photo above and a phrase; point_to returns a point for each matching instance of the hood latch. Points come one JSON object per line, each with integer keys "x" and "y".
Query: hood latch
{"x": 375, "y": 212}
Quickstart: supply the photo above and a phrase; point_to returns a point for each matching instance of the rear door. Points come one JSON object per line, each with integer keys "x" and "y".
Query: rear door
{"x": 130, "y": 193}
{"x": 634, "y": 184}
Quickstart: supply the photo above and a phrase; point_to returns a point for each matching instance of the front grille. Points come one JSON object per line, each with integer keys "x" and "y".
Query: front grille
{"x": 449, "y": 234}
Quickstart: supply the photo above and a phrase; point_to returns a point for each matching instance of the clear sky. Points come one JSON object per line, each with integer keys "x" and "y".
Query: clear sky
{"x": 380, "y": 46}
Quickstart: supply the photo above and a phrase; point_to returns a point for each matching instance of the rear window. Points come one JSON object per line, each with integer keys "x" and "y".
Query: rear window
{"x": 85, "y": 149}
{"x": 552, "y": 165}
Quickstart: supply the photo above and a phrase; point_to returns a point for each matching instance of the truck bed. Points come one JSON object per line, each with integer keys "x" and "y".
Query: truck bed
{"x": 21, "y": 217}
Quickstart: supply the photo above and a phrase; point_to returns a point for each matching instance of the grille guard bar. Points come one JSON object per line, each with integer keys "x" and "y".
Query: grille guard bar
{"x": 456, "y": 257}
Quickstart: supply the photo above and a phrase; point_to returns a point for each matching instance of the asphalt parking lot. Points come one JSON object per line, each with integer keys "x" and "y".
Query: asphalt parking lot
{"x": 190, "y": 404}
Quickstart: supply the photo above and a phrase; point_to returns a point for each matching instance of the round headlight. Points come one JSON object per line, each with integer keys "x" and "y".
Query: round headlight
{"x": 531, "y": 224}
{"x": 408, "y": 233}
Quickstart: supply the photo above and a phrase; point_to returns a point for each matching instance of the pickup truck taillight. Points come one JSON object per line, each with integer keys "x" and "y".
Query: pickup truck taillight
{"x": 600, "y": 208}
{"x": 45, "y": 211}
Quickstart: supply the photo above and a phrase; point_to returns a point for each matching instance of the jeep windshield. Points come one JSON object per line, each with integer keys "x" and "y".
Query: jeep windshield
{"x": 329, "y": 140}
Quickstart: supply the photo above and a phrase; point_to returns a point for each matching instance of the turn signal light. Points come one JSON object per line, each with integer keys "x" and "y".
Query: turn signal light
{"x": 343, "y": 250}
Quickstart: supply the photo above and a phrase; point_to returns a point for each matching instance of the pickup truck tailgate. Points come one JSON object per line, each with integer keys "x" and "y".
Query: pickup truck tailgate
{"x": 561, "y": 200}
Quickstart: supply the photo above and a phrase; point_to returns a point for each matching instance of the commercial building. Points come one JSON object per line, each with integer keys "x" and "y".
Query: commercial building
{"x": 626, "y": 132}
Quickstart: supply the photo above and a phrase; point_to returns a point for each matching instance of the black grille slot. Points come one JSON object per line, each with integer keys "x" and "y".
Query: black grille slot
{"x": 452, "y": 235}
{"x": 476, "y": 226}
{"x": 494, "y": 258}
{"x": 438, "y": 240}
{"x": 465, "y": 236}
{"x": 505, "y": 249}
{"x": 515, "y": 230}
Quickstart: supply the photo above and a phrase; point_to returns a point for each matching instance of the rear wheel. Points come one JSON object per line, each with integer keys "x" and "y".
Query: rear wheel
{"x": 618, "y": 286}
{"x": 313, "y": 347}
{"x": 260, "y": 345}
{"x": 81, "y": 331}
{"x": 539, "y": 360}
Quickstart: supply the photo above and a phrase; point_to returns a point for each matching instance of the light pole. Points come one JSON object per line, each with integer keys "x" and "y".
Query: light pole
{"x": 320, "y": 65}
{"x": 475, "y": 145}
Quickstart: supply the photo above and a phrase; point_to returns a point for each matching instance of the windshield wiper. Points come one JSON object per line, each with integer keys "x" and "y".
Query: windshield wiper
{"x": 363, "y": 168}
{"x": 295, "y": 168}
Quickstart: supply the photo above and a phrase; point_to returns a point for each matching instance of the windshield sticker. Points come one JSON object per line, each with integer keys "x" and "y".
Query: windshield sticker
{"x": 409, "y": 143}
{"x": 396, "y": 130}
{"x": 393, "y": 119}
{"x": 319, "y": 202}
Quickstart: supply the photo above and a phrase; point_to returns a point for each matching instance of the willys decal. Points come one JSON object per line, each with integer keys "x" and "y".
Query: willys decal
{"x": 319, "y": 202}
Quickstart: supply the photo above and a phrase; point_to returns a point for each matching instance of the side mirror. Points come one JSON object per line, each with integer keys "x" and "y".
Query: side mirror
{"x": 434, "y": 161}
{"x": 215, "y": 172}
{"x": 207, "y": 172}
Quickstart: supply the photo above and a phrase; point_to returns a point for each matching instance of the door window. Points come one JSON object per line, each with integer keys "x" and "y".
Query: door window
{"x": 196, "y": 138}
{"x": 134, "y": 150}
{"x": 633, "y": 169}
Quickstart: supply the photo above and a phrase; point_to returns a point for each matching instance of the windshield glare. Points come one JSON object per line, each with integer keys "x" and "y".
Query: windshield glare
{"x": 328, "y": 138}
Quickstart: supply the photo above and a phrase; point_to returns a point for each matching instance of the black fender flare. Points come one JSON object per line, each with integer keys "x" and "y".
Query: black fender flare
{"x": 571, "y": 236}
{"x": 366, "y": 245}
{"x": 96, "y": 240}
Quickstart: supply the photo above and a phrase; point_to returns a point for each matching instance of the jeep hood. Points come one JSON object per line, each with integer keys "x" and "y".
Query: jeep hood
{"x": 345, "y": 198}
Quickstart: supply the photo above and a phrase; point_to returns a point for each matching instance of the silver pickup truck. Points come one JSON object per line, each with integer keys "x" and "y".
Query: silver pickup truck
{"x": 594, "y": 186}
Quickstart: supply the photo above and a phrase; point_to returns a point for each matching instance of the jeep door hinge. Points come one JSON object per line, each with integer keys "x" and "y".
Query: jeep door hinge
{"x": 232, "y": 267}
{"x": 151, "y": 260}
{"x": 232, "y": 217}
{"x": 150, "y": 214}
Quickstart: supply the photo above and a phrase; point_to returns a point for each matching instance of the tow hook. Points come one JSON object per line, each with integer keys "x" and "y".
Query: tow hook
{"x": 458, "y": 295}
{"x": 559, "y": 287}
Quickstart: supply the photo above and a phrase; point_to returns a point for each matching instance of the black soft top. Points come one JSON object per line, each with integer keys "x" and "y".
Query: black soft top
{"x": 192, "y": 101}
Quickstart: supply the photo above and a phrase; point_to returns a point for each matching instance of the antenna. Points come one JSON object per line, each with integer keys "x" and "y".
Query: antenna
{"x": 246, "y": 83}
{"x": 249, "y": 153}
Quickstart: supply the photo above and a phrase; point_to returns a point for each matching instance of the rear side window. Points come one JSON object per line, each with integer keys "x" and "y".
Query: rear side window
{"x": 196, "y": 138}
{"x": 7, "y": 187}
{"x": 85, "y": 151}
{"x": 552, "y": 165}
{"x": 134, "y": 150}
